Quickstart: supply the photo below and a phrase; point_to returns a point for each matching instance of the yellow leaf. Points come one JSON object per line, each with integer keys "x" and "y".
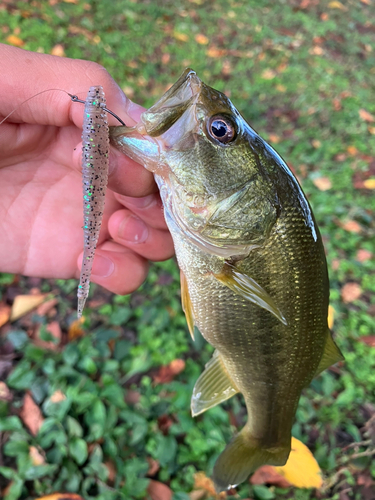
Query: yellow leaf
{"x": 369, "y": 183}
{"x": 337, "y": 5}
{"x": 323, "y": 183}
{"x": 181, "y": 37}
{"x": 301, "y": 469}
{"x": 58, "y": 50}
{"x": 75, "y": 330}
{"x": 268, "y": 74}
{"x": 36, "y": 457}
{"x": 15, "y": 40}
{"x": 61, "y": 496}
{"x": 331, "y": 316}
{"x": 25, "y": 303}
{"x": 201, "y": 39}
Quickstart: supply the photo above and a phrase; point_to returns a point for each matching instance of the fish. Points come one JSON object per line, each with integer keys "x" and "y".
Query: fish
{"x": 254, "y": 277}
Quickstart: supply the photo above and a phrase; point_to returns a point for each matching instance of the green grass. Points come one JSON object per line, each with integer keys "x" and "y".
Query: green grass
{"x": 300, "y": 75}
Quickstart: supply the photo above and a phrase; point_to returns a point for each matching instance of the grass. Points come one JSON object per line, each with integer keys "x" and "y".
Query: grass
{"x": 300, "y": 72}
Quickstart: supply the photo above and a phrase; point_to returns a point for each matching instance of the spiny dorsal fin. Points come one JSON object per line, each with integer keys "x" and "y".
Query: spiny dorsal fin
{"x": 187, "y": 306}
{"x": 213, "y": 387}
{"x": 248, "y": 288}
{"x": 331, "y": 355}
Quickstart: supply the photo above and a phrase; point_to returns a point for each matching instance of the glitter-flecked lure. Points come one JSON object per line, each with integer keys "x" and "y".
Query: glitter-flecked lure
{"x": 95, "y": 147}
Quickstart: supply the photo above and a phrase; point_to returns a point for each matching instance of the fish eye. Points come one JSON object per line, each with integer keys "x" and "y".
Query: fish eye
{"x": 221, "y": 128}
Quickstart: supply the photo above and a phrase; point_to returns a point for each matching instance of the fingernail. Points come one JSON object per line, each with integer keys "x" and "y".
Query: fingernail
{"x": 102, "y": 266}
{"x": 133, "y": 229}
{"x": 144, "y": 202}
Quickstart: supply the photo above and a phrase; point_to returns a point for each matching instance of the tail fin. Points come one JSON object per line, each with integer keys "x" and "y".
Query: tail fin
{"x": 241, "y": 457}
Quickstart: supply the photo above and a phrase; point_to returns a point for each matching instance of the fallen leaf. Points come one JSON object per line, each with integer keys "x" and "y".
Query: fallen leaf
{"x": 4, "y": 314}
{"x": 274, "y": 138}
{"x": 5, "y": 394}
{"x": 197, "y": 495}
{"x": 71, "y": 1}
{"x": 337, "y": 5}
{"x": 167, "y": 373}
{"x": 36, "y": 457}
{"x": 371, "y": 130}
{"x": 165, "y": 58}
{"x": 52, "y": 328}
{"x": 153, "y": 468}
{"x": 366, "y": 116}
{"x": 316, "y": 144}
{"x": 15, "y": 40}
{"x": 215, "y": 52}
{"x": 112, "y": 472}
{"x": 159, "y": 491}
{"x": 57, "y": 397}
{"x": 369, "y": 183}
{"x": 316, "y": 50}
{"x": 368, "y": 340}
{"x": 280, "y": 88}
{"x": 363, "y": 255}
{"x": 23, "y": 304}
{"x": 201, "y": 39}
{"x": 350, "y": 292}
{"x": 61, "y": 496}
{"x": 31, "y": 415}
{"x": 322, "y": 183}
{"x": 58, "y": 50}
{"x": 202, "y": 482}
{"x": 324, "y": 16}
{"x": 44, "y": 308}
{"x": 268, "y": 475}
{"x": 352, "y": 150}
{"x": 301, "y": 469}
{"x": 331, "y": 316}
{"x": 268, "y": 74}
{"x": 132, "y": 397}
{"x": 366, "y": 2}
{"x": 75, "y": 330}
{"x": 351, "y": 226}
{"x": 181, "y": 37}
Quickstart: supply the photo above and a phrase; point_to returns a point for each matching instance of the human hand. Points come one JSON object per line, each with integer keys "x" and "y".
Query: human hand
{"x": 41, "y": 207}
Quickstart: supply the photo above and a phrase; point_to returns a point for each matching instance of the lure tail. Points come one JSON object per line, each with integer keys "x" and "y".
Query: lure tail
{"x": 242, "y": 456}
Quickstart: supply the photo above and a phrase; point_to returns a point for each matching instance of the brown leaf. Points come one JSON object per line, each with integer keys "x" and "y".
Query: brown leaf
{"x": 31, "y": 415}
{"x": 153, "y": 467}
{"x": 363, "y": 255}
{"x": 215, "y": 52}
{"x": 368, "y": 340}
{"x": 23, "y": 304}
{"x": 75, "y": 330}
{"x": 4, "y": 313}
{"x": 61, "y": 496}
{"x": 167, "y": 373}
{"x": 15, "y": 40}
{"x": 159, "y": 491}
{"x": 337, "y": 5}
{"x": 36, "y": 457}
{"x": 44, "y": 308}
{"x": 352, "y": 150}
{"x": 5, "y": 394}
{"x": 268, "y": 475}
{"x": 181, "y": 37}
{"x": 366, "y": 116}
{"x": 165, "y": 58}
{"x": 132, "y": 397}
{"x": 274, "y": 138}
{"x": 58, "y": 50}
{"x": 350, "y": 292}
{"x": 201, "y": 39}
{"x": 352, "y": 226}
{"x": 112, "y": 472}
{"x": 268, "y": 74}
{"x": 323, "y": 183}
{"x": 57, "y": 397}
{"x": 202, "y": 482}
{"x": 371, "y": 130}
{"x": 54, "y": 329}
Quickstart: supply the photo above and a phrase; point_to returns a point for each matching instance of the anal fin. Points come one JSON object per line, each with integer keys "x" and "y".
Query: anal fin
{"x": 187, "y": 306}
{"x": 331, "y": 355}
{"x": 213, "y": 387}
{"x": 247, "y": 287}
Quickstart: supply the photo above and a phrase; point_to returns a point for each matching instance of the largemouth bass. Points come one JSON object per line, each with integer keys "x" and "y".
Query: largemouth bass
{"x": 254, "y": 276}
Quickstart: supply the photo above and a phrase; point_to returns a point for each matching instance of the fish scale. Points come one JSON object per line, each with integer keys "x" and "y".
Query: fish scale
{"x": 253, "y": 270}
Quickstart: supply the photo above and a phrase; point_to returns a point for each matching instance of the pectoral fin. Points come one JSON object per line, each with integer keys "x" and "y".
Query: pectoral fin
{"x": 248, "y": 288}
{"x": 331, "y": 355}
{"x": 213, "y": 387}
{"x": 187, "y": 306}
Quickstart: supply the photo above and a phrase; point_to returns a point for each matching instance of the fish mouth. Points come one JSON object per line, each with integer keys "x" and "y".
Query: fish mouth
{"x": 172, "y": 105}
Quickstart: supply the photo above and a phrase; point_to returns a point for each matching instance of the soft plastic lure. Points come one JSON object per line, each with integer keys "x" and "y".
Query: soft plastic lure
{"x": 95, "y": 147}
